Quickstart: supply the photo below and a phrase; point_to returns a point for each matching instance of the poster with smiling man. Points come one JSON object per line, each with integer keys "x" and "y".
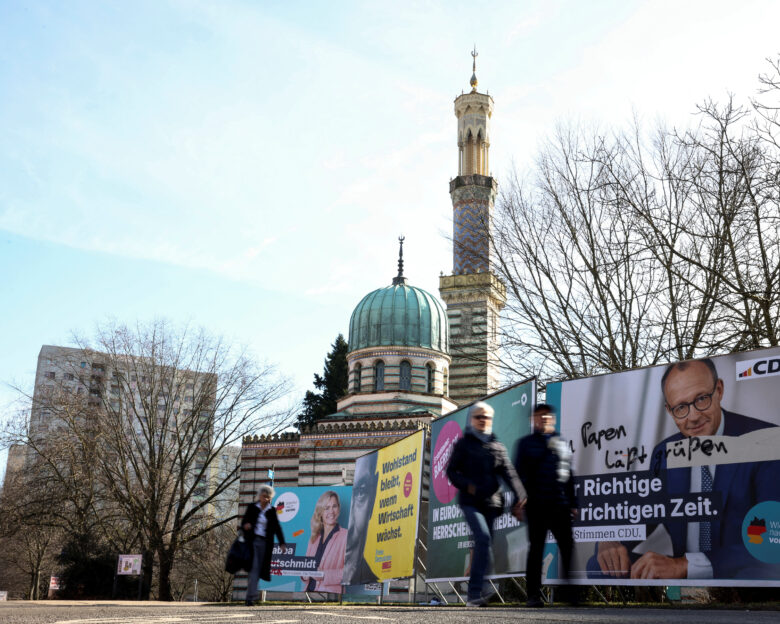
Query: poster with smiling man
{"x": 677, "y": 468}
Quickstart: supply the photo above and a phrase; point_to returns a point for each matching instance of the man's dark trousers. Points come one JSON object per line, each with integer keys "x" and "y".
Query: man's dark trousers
{"x": 543, "y": 518}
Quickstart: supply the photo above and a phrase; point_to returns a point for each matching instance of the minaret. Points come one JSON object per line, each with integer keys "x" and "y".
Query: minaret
{"x": 473, "y": 293}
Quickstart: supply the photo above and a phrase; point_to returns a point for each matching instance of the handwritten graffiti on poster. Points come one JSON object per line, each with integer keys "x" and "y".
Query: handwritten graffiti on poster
{"x": 678, "y": 469}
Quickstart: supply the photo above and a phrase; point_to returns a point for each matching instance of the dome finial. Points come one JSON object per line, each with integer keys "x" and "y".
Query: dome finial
{"x": 474, "y": 70}
{"x": 400, "y": 280}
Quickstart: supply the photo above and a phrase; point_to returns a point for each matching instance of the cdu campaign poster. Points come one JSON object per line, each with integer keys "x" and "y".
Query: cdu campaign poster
{"x": 314, "y": 520}
{"x": 677, "y": 470}
{"x": 382, "y": 538}
{"x": 449, "y": 537}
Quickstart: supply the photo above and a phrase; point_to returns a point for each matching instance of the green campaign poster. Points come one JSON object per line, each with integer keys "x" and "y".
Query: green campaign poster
{"x": 449, "y": 538}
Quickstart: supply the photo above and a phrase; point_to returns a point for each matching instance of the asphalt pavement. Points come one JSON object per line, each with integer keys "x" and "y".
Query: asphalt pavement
{"x": 82, "y": 612}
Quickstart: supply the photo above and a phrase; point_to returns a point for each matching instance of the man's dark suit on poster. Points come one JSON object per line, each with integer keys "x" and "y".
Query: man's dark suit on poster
{"x": 741, "y": 486}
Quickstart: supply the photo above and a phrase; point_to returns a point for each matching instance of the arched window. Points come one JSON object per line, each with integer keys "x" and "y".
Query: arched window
{"x": 446, "y": 375}
{"x": 379, "y": 376}
{"x": 357, "y": 378}
{"x": 406, "y": 376}
{"x": 429, "y": 373}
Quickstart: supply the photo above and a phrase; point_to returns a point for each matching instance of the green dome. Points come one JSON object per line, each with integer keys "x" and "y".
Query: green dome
{"x": 399, "y": 316}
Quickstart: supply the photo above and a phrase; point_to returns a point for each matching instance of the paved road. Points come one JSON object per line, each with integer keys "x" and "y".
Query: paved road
{"x": 167, "y": 613}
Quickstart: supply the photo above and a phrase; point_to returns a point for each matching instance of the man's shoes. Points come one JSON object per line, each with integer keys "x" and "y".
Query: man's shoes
{"x": 249, "y": 603}
{"x": 534, "y": 603}
{"x": 479, "y": 602}
{"x": 488, "y": 593}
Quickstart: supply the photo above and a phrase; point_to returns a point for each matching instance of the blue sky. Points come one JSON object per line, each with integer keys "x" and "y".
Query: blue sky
{"x": 248, "y": 166}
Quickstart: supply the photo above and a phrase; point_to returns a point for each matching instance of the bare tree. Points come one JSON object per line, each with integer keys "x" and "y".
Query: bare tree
{"x": 740, "y": 189}
{"x": 55, "y": 502}
{"x": 202, "y": 561}
{"x": 27, "y": 559}
{"x": 49, "y": 496}
{"x": 27, "y": 547}
{"x": 152, "y": 415}
{"x": 626, "y": 248}
{"x": 589, "y": 290}
{"x": 767, "y": 103}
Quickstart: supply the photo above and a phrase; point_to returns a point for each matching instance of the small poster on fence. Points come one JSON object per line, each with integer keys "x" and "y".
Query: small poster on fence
{"x": 129, "y": 565}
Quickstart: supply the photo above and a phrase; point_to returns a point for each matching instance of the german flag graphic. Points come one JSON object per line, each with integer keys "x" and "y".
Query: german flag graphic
{"x": 756, "y": 529}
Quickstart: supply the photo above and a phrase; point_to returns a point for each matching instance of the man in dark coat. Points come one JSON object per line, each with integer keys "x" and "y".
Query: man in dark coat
{"x": 543, "y": 464}
{"x": 260, "y": 524}
{"x": 477, "y": 464}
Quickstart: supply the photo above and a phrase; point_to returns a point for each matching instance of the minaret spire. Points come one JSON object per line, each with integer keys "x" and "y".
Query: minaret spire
{"x": 473, "y": 293}
{"x": 473, "y": 111}
{"x": 400, "y": 280}
{"x": 474, "y": 81}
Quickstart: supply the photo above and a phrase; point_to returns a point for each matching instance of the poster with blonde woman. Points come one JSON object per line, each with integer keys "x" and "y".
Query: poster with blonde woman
{"x": 327, "y": 544}
{"x": 315, "y": 521}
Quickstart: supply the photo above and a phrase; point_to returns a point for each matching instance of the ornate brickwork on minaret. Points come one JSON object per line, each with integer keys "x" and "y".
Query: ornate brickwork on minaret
{"x": 474, "y": 295}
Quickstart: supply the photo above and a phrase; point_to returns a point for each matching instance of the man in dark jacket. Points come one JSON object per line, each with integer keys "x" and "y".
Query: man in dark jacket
{"x": 544, "y": 466}
{"x": 477, "y": 463}
{"x": 260, "y": 523}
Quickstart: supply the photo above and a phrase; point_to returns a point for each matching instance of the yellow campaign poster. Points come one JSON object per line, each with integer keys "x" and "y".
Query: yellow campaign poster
{"x": 392, "y": 529}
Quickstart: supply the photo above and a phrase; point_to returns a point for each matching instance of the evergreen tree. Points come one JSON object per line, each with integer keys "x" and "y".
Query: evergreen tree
{"x": 332, "y": 385}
